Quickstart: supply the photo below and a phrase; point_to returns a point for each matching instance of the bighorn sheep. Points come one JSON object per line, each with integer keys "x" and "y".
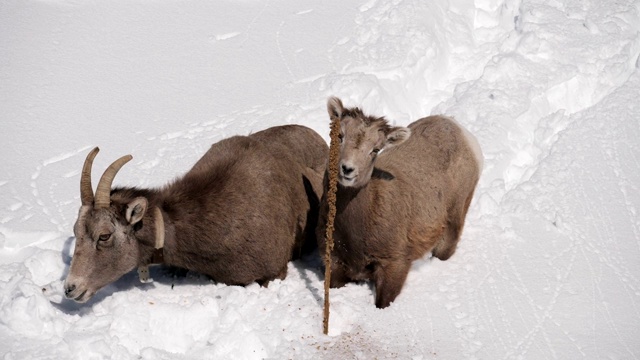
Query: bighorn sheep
{"x": 413, "y": 201}
{"x": 239, "y": 215}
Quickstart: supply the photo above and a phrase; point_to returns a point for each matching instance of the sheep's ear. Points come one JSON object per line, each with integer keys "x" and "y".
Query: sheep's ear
{"x": 335, "y": 108}
{"x": 396, "y": 136}
{"x": 136, "y": 210}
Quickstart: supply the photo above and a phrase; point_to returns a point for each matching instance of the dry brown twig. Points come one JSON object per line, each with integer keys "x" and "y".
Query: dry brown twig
{"x": 334, "y": 152}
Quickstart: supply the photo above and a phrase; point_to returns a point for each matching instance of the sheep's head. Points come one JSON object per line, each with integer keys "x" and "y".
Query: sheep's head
{"x": 362, "y": 138}
{"x": 105, "y": 246}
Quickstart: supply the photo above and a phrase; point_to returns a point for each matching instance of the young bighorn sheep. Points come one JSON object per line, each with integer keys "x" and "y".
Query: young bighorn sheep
{"x": 414, "y": 200}
{"x": 239, "y": 215}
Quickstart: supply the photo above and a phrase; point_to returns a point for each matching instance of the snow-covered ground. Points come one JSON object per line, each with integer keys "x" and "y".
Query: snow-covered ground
{"x": 548, "y": 265}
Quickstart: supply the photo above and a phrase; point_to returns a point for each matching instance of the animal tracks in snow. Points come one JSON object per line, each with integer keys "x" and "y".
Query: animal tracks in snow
{"x": 226, "y": 36}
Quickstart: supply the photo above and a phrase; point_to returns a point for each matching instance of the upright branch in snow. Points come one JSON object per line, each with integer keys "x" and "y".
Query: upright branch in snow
{"x": 334, "y": 156}
{"x": 239, "y": 215}
{"x": 402, "y": 192}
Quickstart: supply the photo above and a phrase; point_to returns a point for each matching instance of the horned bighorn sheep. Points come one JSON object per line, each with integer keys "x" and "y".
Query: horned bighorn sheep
{"x": 414, "y": 200}
{"x": 239, "y": 215}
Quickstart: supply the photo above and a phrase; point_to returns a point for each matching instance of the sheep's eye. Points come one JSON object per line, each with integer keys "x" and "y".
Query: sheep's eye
{"x": 104, "y": 237}
{"x": 375, "y": 151}
{"x": 340, "y": 137}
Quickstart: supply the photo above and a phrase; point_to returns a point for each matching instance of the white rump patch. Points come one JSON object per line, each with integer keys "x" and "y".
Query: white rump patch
{"x": 473, "y": 144}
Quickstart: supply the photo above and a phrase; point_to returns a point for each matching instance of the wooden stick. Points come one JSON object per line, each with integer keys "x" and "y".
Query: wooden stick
{"x": 334, "y": 154}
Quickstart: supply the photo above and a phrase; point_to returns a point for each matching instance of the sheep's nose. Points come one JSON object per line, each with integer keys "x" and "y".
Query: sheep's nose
{"x": 68, "y": 289}
{"x": 346, "y": 170}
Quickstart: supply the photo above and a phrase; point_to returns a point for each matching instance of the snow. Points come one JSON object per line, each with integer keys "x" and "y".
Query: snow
{"x": 547, "y": 266}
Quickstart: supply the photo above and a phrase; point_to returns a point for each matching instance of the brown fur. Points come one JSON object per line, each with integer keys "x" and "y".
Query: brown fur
{"x": 239, "y": 215}
{"x": 413, "y": 202}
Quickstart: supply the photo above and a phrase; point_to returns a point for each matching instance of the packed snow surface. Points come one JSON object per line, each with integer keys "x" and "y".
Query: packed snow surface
{"x": 548, "y": 265}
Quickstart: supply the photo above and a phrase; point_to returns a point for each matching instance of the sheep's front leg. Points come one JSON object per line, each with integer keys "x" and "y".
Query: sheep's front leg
{"x": 338, "y": 275}
{"x": 389, "y": 278}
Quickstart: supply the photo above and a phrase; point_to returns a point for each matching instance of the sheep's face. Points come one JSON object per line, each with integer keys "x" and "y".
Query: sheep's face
{"x": 362, "y": 138}
{"x": 105, "y": 249}
{"x": 359, "y": 148}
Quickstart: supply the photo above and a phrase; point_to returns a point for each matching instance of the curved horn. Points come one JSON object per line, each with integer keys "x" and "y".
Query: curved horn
{"x": 103, "y": 192}
{"x": 86, "y": 191}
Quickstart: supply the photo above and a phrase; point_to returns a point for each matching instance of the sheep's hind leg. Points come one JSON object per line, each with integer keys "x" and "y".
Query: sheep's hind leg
{"x": 281, "y": 275}
{"x": 447, "y": 245}
{"x": 389, "y": 279}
